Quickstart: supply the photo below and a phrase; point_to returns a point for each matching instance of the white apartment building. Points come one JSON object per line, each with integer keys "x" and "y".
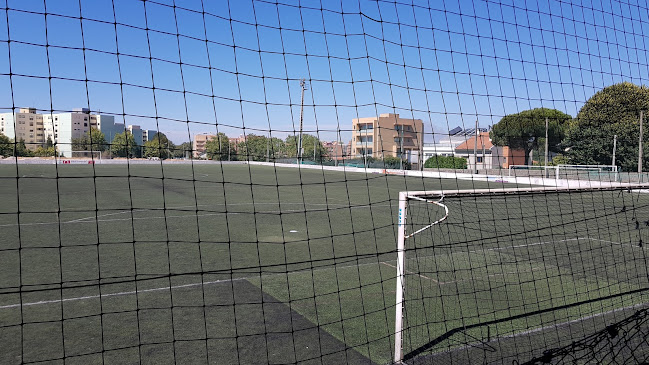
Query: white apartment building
{"x": 64, "y": 127}
{"x": 25, "y": 125}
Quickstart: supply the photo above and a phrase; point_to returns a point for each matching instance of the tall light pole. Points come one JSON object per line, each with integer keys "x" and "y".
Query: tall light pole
{"x": 475, "y": 149}
{"x": 401, "y": 148}
{"x": 299, "y": 142}
{"x": 640, "y": 146}
{"x": 545, "y": 169}
{"x": 614, "y": 147}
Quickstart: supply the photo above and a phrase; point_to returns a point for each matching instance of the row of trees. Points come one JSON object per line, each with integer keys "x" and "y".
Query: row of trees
{"x": 9, "y": 147}
{"x": 125, "y": 145}
{"x": 586, "y": 139}
{"x": 260, "y": 148}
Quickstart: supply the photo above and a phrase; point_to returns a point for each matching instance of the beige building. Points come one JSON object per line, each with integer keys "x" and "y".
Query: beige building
{"x": 25, "y": 125}
{"x": 199, "y": 143}
{"x": 336, "y": 150}
{"x": 381, "y": 137}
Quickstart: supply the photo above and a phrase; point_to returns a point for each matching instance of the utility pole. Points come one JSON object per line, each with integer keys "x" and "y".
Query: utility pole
{"x": 640, "y": 146}
{"x": 299, "y": 142}
{"x": 401, "y": 148}
{"x": 545, "y": 168}
{"x": 268, "y": 149}
{"x": 475, "y": 149}
{"x": 484, "y": 153}
{"x": 614, "y": 147}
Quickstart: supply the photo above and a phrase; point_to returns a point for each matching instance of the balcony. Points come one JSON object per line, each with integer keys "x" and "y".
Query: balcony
{"x": 364, "y": 132}
{"x": 364, "y": 143}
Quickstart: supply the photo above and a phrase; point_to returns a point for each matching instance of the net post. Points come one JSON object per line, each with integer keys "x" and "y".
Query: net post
{"x": 398, "y": 322}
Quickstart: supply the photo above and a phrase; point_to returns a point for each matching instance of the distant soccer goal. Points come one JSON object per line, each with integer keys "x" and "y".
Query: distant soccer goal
{"x": 566, "y": 171}
{"x": 95, "y": 155}
{"x": 490, "y": 276}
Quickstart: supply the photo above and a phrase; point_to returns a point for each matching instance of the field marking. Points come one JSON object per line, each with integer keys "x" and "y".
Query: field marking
{"x": 413, "y": 273}
{"x": 301, "y": 271}
{"x": 538, "y": 329}
{"x": 167, "y": 287}
{"x": 131, "y": 292}
{"x": 91, "y": 219}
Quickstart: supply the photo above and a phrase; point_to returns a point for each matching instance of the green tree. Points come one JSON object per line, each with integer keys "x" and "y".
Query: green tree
{"x": 445, "y": 162}
{"x": 559, "y": 160}
{"x": 6, "y": 146}
{"x": 94, "y": 140}
{"x": 261, "y": 148}
{"x": 219, "y": 148}
{"x": 526, "y": 129}
{"x": 49, "y": 142}
{"x": 45, "y": 151}
{"x": 614, "y": 110}
{"x": 21, "y": 149}
{"x": 309, "y": 142}
{"x": 160, "y": 146}
{"x": 182, "y": 150}
{"x": 124, "y": 145}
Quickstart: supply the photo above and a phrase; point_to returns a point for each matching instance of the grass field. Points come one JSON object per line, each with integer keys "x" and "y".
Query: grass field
{"x": 119, "y": 264}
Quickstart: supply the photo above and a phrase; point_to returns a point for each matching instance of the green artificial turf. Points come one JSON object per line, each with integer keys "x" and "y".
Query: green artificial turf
{"x": 280, "y": 265}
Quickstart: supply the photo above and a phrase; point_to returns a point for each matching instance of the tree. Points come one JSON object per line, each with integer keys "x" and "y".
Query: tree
{"x": 124, "y": 145}
{"x": 94, "y": 140}
{"x": 6, "y": 146}
{"x": 308, "y": 144}
{"x": 21, "y": 149}
{"x": 159, "y": 147}
{"x": 219, "y": 148}
{"x": 524, "y": 130}
{"x": 392, "y": 162}
{"x": 614, "y": 110}
{"x": 45, "y": 151}
{"x": 445, "y": 162}
{"x": 182, "y": 150}
{"x": 260, "y": 148}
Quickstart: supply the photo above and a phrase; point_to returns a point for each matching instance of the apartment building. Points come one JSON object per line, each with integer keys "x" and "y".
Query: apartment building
{"x": 200, "y": 140}
{"x": 140, "y": 135}
{"x": 25, "y": 124}
{"x": 386, "y": 136}
{"x": 336, "y": 150}
{"x": 62, "y": 128}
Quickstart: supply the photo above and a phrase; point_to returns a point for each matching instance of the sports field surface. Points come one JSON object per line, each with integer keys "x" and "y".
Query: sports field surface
{"x": 234, "y": 263}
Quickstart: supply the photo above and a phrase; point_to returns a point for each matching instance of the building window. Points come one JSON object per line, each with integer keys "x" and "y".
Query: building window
{"x": 479, "y": 159}
{"x": 85, "y": 124}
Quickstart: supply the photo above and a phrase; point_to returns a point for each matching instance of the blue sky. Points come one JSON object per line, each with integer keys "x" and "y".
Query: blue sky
{"x": 445, "y": 62}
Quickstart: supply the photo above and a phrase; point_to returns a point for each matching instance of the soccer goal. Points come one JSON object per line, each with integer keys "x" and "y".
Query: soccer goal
{"x": 95, "y": 155}
{"x": 497, "y": 275}
{"x": 567, "y": 171}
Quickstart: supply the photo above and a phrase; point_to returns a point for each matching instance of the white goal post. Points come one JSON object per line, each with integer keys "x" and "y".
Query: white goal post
{"x": 95, "y": 155}
{"x": 565, "y": 167}
{"x": 437, "y": 198}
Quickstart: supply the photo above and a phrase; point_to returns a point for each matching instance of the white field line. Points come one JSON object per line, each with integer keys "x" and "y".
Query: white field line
{"x": 167, "y": 287}
{"x": 252, "y": 277}
{"x": 91, "y": 219}
{"x": 131, "y": 292}
{"x": 413, "y": 273}
{"x": 540, "y": 329}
